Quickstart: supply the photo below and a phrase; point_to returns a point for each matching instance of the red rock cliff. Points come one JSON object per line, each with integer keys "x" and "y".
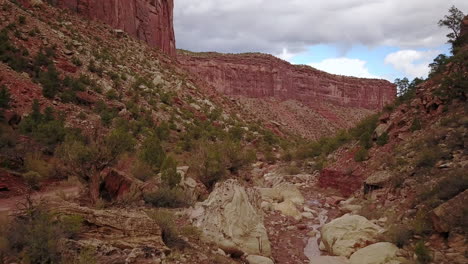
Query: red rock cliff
{"x": 148, "y": 20}
{"x": 260, "y": 75}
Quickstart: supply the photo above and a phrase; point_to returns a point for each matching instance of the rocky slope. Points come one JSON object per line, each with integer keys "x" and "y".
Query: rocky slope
{"x": 258, "y": 77}
{"x": 148, "y": 20}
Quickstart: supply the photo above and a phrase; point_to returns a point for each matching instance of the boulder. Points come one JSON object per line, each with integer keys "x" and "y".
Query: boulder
{"x": 231, "y": 217}
{"x": 344, "y": 235}
{"x": 288, "y": 208}
{"x": 377, "y": 180}
{"x": 450, "y": 213}
{"x": 379, "y": 253}
{"x": 285, "y": 198}
{"x": 328, "y": 260}
{"x": 116, "y": 185}
{"x": 254, "y": 259}
{"x": 116, "y": 233}
{"x": 192, "y": 188}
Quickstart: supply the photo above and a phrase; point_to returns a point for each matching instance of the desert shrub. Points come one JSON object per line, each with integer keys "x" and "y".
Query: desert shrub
{"x": 112, "y": 94}
{"x": 34, "y": 235}
{"x": 22, "y": 20}
{"x": 169, "y": 174}
{"x": 361, "y": 155}
{"x": 11, "y": 55}
{"x": 50, "y": 81}
{"x": 292, "y": 170}
{"x": 191, "y": 232}
{"x": 119, "y": 141}
{"x": 421, "y": 223}
{"x": 142, "y": 171}
{"x": 166, "y": 221}
{"x": 399, "y": 235}
{"x": 236, "y": 156}
{"x": 152, "y": 152}
{"x": 454, "y": 182}
{"x": 383, "y": 139}
{"x": 236, "y": 133}
{"x": 162, "y": 131}
{"x": 5, "y": 99}
{"x": 76, "y": 61}
{"x": 416, "y": 125}
{"x": 106, "y": 113}
{"x": 71, "y": 224}
{"x": 34, "y": 162}
{"x": 365, "y": 140}
{"x": 167, "y": 197}
{"x": 213, "y": 167}
{"x": 422, "y": 252}
{"x": 32, "y": 179}
{"x": 92, "y": 67}
{"x": 367, "y": 125}
{"x": 428, "y": 156}
{"x": 43, "y": 127}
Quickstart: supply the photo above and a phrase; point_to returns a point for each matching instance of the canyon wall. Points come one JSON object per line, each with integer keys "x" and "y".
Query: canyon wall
{"x": 259, "y": 75}
{"x": 148, "y": 20}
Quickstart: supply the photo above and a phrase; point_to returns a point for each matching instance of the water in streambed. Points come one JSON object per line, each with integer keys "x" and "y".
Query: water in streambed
{"x": 312, "y": 248}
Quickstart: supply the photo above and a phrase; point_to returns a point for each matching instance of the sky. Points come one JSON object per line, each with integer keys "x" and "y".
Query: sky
{"x": 385, "y": 39}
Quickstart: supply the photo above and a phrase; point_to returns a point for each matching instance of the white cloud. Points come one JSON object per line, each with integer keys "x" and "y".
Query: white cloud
{"x": 412, "y": 63}
{"x": 286, "y": 55}
{"x": 344, "y": 66}
{"x": 270, "y": 25}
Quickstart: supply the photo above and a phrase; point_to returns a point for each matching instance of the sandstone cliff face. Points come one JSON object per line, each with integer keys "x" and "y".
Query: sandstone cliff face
{"x": 148, "y": 20}
{"x": 259, "y": 75}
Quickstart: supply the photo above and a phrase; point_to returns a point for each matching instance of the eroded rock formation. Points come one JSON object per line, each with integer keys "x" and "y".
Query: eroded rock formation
{"x": 260, "y": 75}
{"x": 148, "y": 20}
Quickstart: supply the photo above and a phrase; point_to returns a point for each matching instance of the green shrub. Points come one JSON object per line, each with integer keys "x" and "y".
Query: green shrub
{"x": 422, "y": 252}
{"x": 361, "y": 155}
{"x": 367, "y": 125}
{"x": 167, "y": 197}
{"x": 169, "y": 174}
{"x": 383, "y": 139}
{"x": 152, "y": 152}
{"x": 166, "y": 221}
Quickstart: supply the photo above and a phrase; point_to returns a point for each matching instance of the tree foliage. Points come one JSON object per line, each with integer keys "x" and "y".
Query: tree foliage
{"x": 452, "y": 21}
